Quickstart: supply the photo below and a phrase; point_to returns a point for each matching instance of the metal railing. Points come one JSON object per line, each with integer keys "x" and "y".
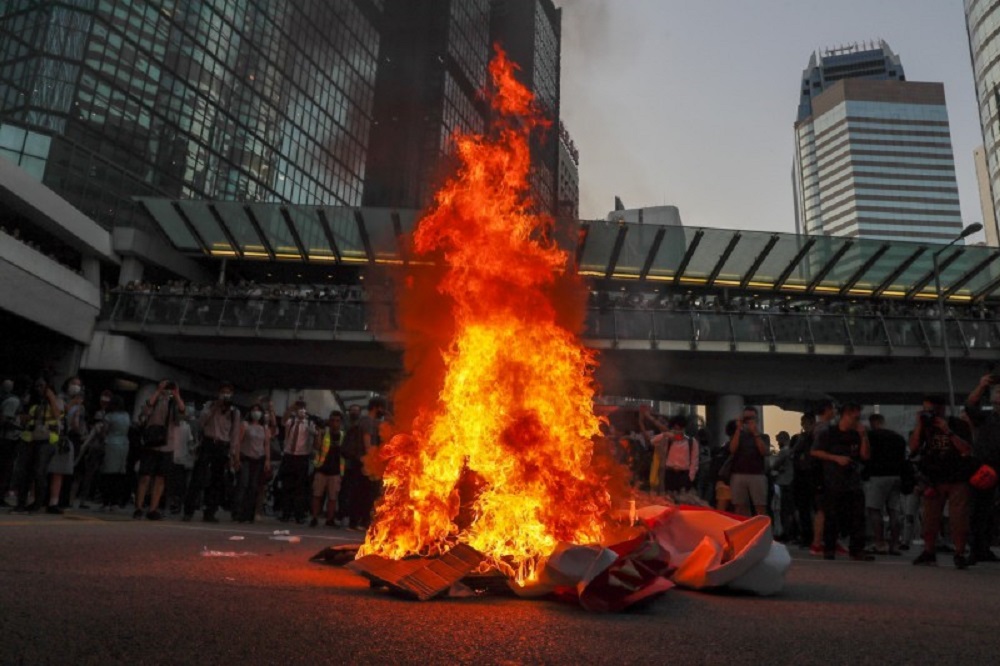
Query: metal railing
{"x": 133, "y": 311}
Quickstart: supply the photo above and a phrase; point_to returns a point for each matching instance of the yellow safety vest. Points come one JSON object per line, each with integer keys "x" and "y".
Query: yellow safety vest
{"x": 51, "y": 422}
{"x": 320, "y": 455}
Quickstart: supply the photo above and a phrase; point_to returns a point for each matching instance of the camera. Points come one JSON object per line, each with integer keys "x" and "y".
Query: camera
{"x": 169, "y": 386}
{"x": 927, "y": 418}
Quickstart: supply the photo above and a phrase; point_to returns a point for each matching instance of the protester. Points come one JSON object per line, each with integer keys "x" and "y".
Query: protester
{"x": 11, "y": 395}
{"x": 783, "y": 471}
{"x": 941, "y": 452}
{"x": 114, "y": 481}
{"x": 220, "y": 428}
{"x": 250, "y": 459}
{"x": 748, "y": 481}
{"x": 675, "y": 456}
{"x": 300, "y": 437}
{"x": 843, "y": 448}
{"x": 327, "y": 479}
{"x": 722, "y": 463}
{"x": 183, "y": 448}
{"x": 803, "y": 480}
{"x": 160, "y": 416}
{"x": 882, "y": 491}
{"x": 359, "y": 441}
{"x": 90, "y": 454}
{"x": 986, "y": 449}
{"x": 74, "y": 430}
{"x": 40, "y": 435}
{"x": 824, "y": 416}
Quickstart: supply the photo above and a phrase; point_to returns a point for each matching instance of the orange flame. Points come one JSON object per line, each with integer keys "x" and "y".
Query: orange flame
{"x": 514, "y": 419}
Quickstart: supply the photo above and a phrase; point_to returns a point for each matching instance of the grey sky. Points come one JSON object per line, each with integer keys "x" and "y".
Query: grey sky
{"x": 691, "y": 102}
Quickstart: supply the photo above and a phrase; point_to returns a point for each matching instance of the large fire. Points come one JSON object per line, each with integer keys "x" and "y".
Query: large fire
{"x": 510, "y": 429}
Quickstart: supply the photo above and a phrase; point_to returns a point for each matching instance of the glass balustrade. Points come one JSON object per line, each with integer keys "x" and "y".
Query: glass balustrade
{"x": 148, "y": 311}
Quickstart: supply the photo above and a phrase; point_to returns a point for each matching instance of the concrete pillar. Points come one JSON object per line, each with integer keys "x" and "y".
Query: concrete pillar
{"x": 724, "y": 409}
{"x": 131, "y": 271}
{"x": 91, "y": 268}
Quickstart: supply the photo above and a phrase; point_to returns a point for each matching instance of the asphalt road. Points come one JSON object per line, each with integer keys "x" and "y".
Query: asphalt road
{"x": 79, "y": 589}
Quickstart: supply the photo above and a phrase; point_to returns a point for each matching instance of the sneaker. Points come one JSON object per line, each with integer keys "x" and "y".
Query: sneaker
{"x": 332, "y": 523}
{"x": 894, "y": 552}
{"x": 209, "y": 518}
{"x": 926, "y": 559}
{"x": 863, "y": 557}
{"x": 137, "y": 514}
{"x": 154, "y": 515}
{"x": 31, "y": 508}
{"x": 841, "y": 550}
{"x": 961, "y": 562}
{"x": 903, "y": 546}
{"x": 813, "y": 550}
{"x": 20, "y": 508}
{"x": 314, "y": 522}
{"x": 53, "y": 510}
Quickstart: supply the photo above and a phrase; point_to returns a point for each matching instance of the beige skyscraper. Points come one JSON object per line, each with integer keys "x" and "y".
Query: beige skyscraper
{"x": 986, "y": 197}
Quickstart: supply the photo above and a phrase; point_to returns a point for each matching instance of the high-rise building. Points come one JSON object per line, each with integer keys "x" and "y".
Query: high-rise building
{"x": 245, "y": 100}
{"x": 983, "y": 22}
{"x": 569, "y": 176}
{"x": 986, "y": 202}
{"x": 530, "y": 31}
{"x": 432, "y": 68}
{"x": 873, "y": 154}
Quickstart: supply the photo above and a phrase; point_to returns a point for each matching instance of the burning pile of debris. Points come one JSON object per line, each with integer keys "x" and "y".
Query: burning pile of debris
{"x": 499, "y": 473}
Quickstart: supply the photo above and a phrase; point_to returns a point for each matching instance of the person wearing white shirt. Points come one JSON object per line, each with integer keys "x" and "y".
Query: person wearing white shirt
{"x": 300, "y": 438}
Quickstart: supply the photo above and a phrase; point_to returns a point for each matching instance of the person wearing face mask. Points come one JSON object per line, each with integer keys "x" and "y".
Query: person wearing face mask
{"x": 249, "y": 460}
{"x": 220, "y": 430}
{"x": 300, "y": 437}
{"x": 40, "y": 423}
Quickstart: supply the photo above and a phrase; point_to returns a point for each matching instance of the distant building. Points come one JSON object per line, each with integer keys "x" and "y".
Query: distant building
{"x": 530, "y": 31}
{"x": 986, "y": 202}
{"x": 569, "y": 176}
{"x": 250, "y": 101}
{"x": 983, "y": 24}
{"x": 873, "y": 154}
{"x": 432, "y": 67}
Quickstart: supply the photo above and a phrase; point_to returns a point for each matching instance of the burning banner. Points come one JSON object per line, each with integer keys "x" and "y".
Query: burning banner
{"x": 499, "y": 469}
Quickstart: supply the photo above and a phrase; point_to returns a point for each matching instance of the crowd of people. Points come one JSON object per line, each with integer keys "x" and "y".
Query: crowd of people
{"x": 835, "y": 482}
{"x": 838, "y": 481}
{"x": 55, "y": 453}
{"x": 248, "y": 289}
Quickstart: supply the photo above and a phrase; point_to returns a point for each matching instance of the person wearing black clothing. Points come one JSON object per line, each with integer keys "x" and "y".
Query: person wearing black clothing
{"x": 803, "y": 484}
{"x": 842, "y": 448}
{"x": 882, "y": 492}
{"x": 943, "y": 453}
{"x": 748, "y": 483}
{"x": 986, "y": 449}
{"x": 326, "y": 461}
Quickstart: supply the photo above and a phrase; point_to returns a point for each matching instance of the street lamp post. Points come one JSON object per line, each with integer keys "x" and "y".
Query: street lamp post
{"x": 968, "y": 231}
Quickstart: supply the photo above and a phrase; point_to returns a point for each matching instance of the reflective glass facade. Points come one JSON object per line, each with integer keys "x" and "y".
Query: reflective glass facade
{"x": 983, "y": 22}
{"x": 432, "y": 69}
{"x": 241, "y": 100}
{"x": 531, "y": 33}
{"x": 874, "y": 159}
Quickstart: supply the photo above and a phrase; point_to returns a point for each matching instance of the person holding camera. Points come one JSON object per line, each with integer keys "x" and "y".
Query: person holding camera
{"x": 843, "y": 448}
{"x": 220, "y": 431}
{"x": 747, "y": 480}
{"x": 160, "y": 415}
{"x": 941, "y": 452}
{"x": 986, "y": 449}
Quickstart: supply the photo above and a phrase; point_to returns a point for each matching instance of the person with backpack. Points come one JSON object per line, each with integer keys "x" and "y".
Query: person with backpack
{"x": 675, "y": 456}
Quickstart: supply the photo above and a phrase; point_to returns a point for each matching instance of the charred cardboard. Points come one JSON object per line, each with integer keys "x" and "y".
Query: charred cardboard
{"x": 421, "y": 577}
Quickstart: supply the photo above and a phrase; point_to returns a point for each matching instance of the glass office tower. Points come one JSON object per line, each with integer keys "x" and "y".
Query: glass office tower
{"x": 983, "y": 22}
{"x": 873, "y": 154}
{"x": 248, "y": 100}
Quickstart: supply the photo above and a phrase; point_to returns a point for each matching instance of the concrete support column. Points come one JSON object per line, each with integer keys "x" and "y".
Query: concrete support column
{"x": 724, "y": 409}
{"x": 131, "y": 271}
{"x": 91, "y": 268}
